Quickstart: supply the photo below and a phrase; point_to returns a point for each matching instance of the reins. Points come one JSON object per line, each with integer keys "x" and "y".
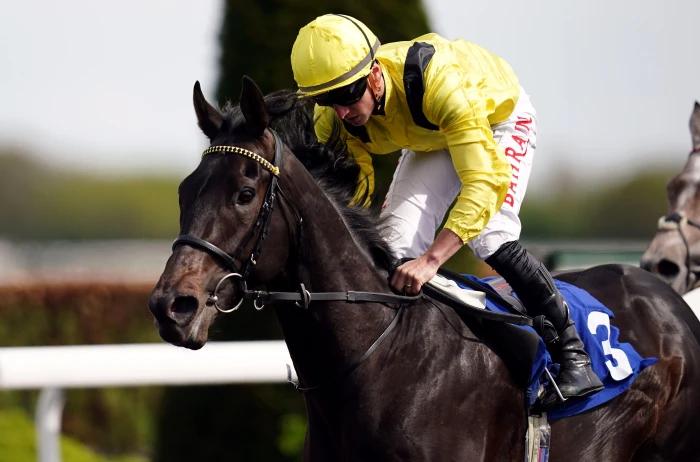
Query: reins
{"x": 302, "y": 298}
{"x": 347, "y": 370}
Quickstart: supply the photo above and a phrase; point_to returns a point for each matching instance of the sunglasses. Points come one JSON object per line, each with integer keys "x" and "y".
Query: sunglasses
{"x": 343, "y": 96}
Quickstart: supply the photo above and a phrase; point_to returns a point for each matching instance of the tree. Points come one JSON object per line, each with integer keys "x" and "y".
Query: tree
{"x": 256, "y": 37}
{"x": 261, "y": 422}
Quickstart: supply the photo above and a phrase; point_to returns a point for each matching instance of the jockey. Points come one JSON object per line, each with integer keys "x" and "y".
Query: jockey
{"x": 467, "y": 131}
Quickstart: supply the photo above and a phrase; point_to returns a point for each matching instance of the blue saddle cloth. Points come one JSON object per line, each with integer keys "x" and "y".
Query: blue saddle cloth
{"x": 616, "y": 364}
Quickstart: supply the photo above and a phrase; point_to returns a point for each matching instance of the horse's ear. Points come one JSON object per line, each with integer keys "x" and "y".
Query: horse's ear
{"x": 209, "y": 118}
{"x": 695, "y": 127}
{"x": 253, "y": 108}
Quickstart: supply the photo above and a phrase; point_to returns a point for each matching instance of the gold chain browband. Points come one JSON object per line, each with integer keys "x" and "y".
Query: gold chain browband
{"x": 244, "y": 152}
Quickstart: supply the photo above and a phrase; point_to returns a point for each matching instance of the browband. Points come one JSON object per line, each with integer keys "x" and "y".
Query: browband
{"x": 245, "y": 152}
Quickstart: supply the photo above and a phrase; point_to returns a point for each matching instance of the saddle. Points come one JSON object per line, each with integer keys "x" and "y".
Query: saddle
{"x": 510, "y": 336}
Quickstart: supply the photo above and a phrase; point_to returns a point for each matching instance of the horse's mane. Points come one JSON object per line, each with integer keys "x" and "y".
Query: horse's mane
{"x": 330, "y": 163}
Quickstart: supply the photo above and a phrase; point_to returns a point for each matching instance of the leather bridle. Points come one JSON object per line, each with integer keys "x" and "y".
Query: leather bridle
{"x": 676, "y": 221}
{"x": 262, "y": 223}
{"x": 303, "y": 297}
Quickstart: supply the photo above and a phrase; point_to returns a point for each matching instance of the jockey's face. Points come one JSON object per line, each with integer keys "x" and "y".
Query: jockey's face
{"x": 358, "y": 113}
{"x": 355, "y": 102}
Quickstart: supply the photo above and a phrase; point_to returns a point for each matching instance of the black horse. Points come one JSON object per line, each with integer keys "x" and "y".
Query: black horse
{"x": 393, "y": 380}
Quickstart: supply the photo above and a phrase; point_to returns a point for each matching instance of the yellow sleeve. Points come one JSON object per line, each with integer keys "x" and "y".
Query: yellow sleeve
{"x": 324, "y": 118}
{"x": 365, "y": 181}
{"x": 485, "y": 178}
{"x": 462, "y": 115}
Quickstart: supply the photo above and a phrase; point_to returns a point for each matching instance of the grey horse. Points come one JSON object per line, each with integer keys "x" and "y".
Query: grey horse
{"x": 674, "y": 252}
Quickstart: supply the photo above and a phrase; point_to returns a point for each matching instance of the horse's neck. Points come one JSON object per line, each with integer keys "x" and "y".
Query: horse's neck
{"x": 331, "y": 334}
{"x": 332, "y": 258}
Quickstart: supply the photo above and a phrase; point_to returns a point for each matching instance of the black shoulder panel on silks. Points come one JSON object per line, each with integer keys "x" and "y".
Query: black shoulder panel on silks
{"x": 358, "y": 132}
{"x": 417, "y": 60}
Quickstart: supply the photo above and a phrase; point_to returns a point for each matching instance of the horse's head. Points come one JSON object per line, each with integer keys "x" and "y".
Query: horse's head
{"x": 225, "y": 214}
{"x": 674, "y": 253}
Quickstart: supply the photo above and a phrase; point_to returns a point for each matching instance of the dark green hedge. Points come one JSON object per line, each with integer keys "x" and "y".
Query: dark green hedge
{"x": 253, "y": 422}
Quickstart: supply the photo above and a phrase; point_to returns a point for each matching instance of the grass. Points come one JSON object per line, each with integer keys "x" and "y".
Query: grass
{"x": 18, "y": 442}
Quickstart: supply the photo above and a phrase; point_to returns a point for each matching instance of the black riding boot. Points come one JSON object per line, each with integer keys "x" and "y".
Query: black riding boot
{"x": 533, "y": 283}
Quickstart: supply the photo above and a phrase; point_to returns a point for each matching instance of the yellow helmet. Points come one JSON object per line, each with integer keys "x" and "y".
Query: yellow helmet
{"x": 332, "y": 51}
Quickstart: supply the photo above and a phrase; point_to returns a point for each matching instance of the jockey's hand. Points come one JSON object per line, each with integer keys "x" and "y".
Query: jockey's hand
{"x": 409, "y": 278}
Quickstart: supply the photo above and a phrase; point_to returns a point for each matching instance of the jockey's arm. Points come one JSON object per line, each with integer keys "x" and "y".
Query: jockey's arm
{"x": 485, "y": 180}
{"x": 482, "y": 169}
{"x": 485, "y": 176}
{"x": 461, "y": 112}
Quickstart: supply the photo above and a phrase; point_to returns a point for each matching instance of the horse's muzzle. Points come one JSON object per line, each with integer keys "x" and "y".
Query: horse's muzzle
{"x": 174, "y": 313}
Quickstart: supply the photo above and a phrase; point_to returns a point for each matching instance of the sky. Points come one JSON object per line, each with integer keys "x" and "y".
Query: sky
{"x": 107, "y": 86}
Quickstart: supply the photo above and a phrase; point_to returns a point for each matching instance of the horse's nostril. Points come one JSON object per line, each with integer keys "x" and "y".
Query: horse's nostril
{"x": 158, "y": 305}
{"x": 667, "y": 268}
{"x": 183, "y": 308}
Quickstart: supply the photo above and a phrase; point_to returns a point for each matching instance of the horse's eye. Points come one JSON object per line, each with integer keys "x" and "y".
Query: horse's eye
{"x": 246, "y": 195}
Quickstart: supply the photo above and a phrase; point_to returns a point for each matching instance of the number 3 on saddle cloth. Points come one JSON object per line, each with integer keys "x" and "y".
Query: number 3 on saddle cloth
{"x": 616, "y": 364}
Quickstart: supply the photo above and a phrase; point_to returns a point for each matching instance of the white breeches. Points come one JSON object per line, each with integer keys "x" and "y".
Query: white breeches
{"x": 426, "y": 184}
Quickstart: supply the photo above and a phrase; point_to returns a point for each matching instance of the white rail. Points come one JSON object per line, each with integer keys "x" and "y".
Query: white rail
{"x": 692, "y": 298}
{"x": 52, "y": 369}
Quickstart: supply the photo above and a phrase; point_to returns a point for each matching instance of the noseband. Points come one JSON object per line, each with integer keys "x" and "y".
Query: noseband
{"x": 675, "y": 221}
{"x": 262, "y": 222}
